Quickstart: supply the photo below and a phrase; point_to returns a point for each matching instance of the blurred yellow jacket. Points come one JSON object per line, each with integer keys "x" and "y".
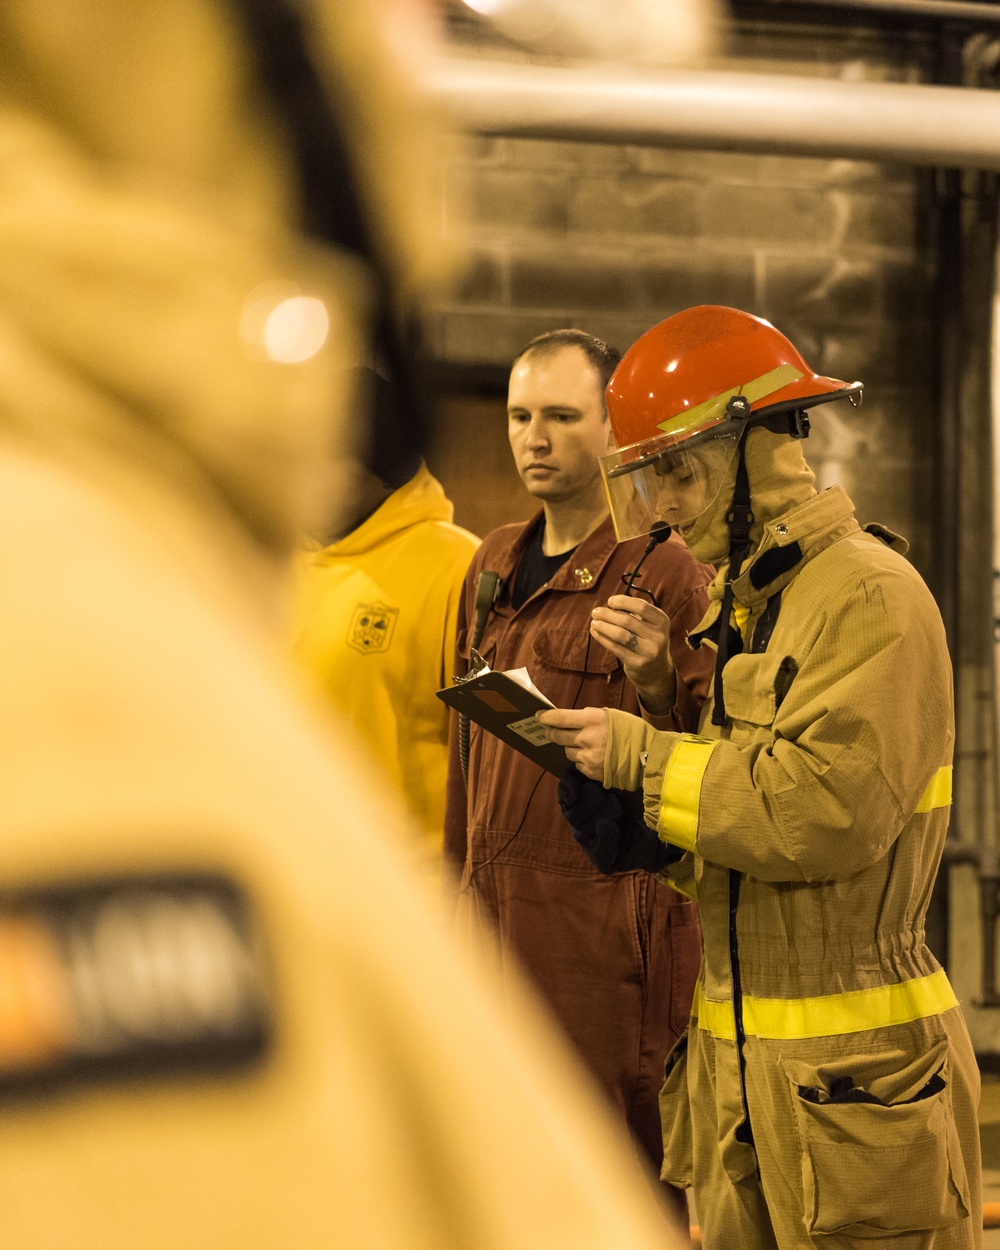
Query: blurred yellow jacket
{"x": 376, "y": 630}
{"x": 228, "y": 1018}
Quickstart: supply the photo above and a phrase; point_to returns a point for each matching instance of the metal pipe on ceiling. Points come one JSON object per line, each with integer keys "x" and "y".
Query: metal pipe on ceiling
{"x": 977, "y": 13}
{"x": 902, "y": 122}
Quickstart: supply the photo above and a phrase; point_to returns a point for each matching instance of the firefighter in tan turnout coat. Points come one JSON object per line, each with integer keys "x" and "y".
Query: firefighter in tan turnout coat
{"x": 826, "y": 1093}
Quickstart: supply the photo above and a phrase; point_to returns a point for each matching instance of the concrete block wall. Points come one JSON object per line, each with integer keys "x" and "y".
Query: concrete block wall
{"x": 614, "y": 238}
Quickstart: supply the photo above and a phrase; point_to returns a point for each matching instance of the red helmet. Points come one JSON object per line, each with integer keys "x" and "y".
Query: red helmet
{"x": 673, "y": 407}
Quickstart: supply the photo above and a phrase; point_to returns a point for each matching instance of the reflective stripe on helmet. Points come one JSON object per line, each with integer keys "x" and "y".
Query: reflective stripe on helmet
{"x": 681, "y": 794}
{"x": 756, "y": 388}
{"x": 938, "y": 792}
{"x": 827, "y": 1015}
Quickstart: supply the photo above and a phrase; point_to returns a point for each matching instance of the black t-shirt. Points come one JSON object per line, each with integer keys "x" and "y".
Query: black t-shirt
{"x": 536, "y": 568}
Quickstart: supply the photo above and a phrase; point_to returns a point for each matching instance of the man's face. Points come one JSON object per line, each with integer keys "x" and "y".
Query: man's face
{"x": 556, "y": 424}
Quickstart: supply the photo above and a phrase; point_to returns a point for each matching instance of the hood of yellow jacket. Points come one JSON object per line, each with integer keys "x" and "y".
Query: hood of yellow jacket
{"x": 420, "y": 499}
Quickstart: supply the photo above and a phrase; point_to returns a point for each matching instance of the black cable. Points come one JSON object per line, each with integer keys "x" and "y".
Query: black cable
{"x": 524, "y": 815}
{"x": 659, "y": 533}
{"x": 487, "y": 589}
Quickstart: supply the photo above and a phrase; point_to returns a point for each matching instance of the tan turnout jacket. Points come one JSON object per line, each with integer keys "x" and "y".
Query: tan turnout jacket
{"x": 826, "y": 1047}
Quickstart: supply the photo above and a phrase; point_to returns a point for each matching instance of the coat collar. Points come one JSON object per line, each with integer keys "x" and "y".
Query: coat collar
{"x": 790, "y": 541}
{"x": 582, "y": 568}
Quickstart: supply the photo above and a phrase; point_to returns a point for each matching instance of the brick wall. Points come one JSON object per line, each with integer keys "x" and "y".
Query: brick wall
{"x": 614, "y": 238}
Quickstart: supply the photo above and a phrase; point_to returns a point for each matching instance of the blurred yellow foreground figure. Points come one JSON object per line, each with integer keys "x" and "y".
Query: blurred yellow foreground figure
{"x": 225, "y": 1019}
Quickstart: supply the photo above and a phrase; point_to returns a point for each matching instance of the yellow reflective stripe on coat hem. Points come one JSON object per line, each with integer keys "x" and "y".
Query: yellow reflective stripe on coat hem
{"x": 681, "y": 794}
{"x": 828, "y": 1015}
{"x": 938, "y": 792}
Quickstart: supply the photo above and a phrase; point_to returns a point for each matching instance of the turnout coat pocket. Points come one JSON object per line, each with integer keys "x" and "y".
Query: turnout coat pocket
{"x": 880, "y": 1150}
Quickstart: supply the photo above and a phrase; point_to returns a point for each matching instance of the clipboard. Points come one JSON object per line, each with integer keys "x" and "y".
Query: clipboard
{"x": 507, "y": 708}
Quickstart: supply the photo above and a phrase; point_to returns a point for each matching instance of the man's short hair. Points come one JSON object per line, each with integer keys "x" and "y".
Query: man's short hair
{"x": 604, "y": 358}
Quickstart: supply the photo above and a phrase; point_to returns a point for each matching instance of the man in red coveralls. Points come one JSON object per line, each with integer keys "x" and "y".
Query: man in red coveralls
{"x": 615, "y": 957}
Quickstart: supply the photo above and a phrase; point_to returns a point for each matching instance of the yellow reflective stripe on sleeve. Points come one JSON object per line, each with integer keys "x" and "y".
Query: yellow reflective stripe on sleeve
{"x": 756, "y": 388}
{"x": 681, "y": 794}
{"x": 828, "y": 1015}
{"x": 938, "y": 792}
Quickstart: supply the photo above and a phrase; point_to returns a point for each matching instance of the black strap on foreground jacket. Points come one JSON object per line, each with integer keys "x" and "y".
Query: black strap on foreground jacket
{"x": 333, "y": 205}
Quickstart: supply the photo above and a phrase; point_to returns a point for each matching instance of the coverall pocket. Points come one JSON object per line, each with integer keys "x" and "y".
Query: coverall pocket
{"x": 675, "y": 1118}
{"x": 880, "y": 1151}
{"x": 570, "y": 651}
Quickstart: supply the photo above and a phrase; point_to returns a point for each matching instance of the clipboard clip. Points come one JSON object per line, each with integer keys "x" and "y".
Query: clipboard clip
{"x": 477, "y": 667}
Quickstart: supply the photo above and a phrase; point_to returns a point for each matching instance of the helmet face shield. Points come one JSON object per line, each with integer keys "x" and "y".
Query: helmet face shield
{"x": 669, "y": 479}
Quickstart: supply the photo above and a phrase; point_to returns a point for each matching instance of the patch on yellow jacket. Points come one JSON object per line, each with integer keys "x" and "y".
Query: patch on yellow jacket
{"x": 372, "y": 627}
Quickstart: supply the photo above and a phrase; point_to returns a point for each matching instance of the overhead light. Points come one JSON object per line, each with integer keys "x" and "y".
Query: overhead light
{"x": 650, "y": 32}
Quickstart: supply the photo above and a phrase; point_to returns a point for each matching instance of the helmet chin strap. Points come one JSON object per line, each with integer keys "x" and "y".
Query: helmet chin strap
{"x": 740, "y": 519}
